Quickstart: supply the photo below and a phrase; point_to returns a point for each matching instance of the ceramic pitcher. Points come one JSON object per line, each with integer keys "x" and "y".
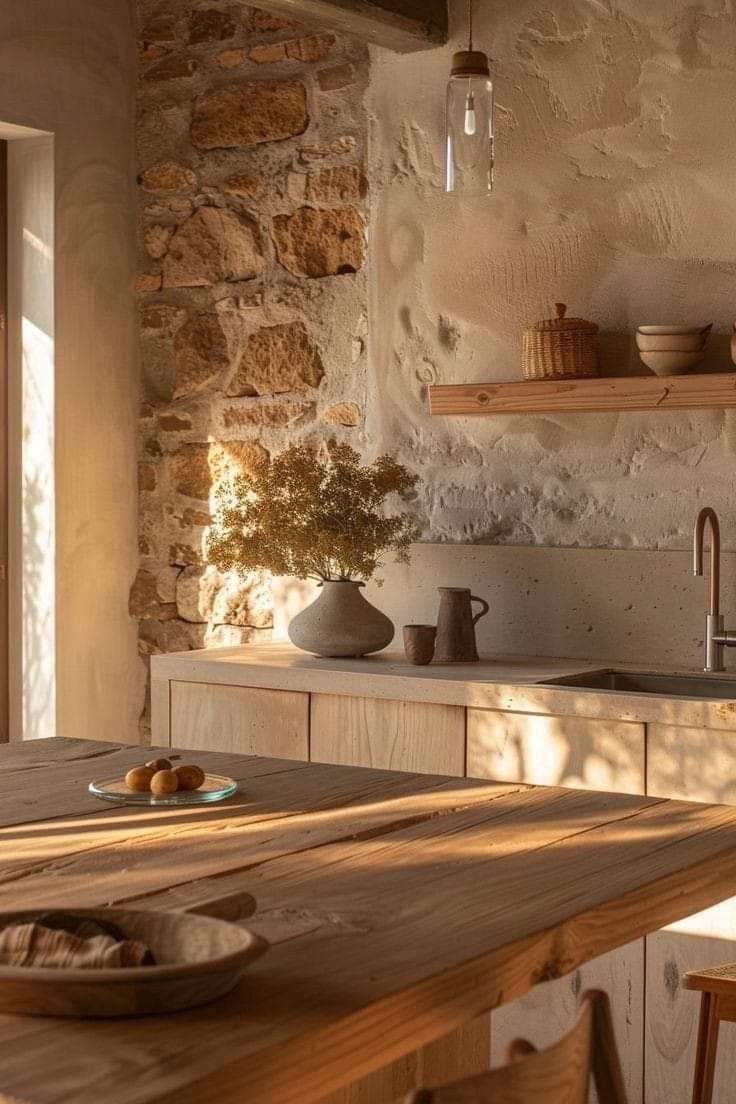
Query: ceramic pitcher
{"x": 456, "y": 626}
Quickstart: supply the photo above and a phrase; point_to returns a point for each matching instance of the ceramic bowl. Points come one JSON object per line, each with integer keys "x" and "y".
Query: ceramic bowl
{"x": 672, "y": 362}
{"x": 676, "y": 329}
{"x": 670, "y": 343}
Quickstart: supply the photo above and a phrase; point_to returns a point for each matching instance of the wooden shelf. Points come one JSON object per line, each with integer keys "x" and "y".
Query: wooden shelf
{"x": 696, "y": 392}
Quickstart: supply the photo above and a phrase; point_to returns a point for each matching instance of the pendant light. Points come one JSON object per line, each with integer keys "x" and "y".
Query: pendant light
{"x": 469, "y": 121}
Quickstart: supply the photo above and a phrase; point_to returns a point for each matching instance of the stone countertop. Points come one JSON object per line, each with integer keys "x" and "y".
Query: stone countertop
{"x": 509, "y": 683}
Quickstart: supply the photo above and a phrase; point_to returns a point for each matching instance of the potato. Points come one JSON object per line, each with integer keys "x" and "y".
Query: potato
{"x": 164, "y": 782}
{"x": 190, "y": 776}
{"x": 139, "y": 779}
{"x": 159, "y": 764}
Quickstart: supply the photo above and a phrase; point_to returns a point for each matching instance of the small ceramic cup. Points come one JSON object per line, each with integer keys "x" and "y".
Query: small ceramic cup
{"x": 419, "y": 643}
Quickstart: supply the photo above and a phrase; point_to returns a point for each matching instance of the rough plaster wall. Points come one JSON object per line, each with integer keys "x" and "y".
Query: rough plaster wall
{"x": 251, "y": 152}
{"x": 616, "y": 152}
{"x": 66, "y": 66}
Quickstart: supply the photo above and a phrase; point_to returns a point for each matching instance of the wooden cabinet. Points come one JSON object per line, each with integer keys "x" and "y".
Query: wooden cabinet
{"x": 698, "y": 765}
{"x": 582, "y": 754}
{"x": 239, "y": 719}
{"x": 195, "y": 706}
{"x": 391, "y": 735}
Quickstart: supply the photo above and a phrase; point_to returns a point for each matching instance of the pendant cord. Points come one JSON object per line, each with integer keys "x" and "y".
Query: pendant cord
{"x": 470, "y": 24}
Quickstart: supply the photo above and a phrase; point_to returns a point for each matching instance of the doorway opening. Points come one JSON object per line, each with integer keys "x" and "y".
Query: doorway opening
{"x": 27, "y": 514}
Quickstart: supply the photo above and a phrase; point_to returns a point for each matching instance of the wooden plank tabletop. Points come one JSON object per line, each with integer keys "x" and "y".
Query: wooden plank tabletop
{"x": 399, "y": 906}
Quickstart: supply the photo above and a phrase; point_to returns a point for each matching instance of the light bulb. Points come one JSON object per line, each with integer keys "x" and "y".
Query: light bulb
{"x": 470, "y": 123}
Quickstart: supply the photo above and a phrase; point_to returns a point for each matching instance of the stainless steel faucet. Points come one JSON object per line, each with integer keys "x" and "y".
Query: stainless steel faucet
{"x": 716, "y": 637}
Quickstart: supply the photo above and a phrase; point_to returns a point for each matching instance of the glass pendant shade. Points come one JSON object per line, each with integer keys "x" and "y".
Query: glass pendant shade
{"x": 469, "y": 121}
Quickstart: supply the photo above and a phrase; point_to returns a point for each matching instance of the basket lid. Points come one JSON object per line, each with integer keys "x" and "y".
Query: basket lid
{"x": 562, "y": 323}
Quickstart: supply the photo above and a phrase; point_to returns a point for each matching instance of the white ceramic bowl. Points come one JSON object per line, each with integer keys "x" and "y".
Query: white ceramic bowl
{"x": 666, "y": 343}
{"x": 676, "y": 329}
{"x": 672, "y": 362}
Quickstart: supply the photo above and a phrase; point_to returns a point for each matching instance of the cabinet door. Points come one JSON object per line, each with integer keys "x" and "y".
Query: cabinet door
{"x": 697, "y": 765}
{"x": 391, "y": 735}
{"x": 581, "y": 754}
{"x": 240, "y": 719}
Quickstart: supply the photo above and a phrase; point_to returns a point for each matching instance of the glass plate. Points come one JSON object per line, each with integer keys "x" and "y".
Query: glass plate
{"x": 216, "y": 787}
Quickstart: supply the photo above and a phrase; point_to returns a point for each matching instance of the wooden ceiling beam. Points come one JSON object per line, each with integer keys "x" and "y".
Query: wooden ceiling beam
{"x": 400, "y": 25}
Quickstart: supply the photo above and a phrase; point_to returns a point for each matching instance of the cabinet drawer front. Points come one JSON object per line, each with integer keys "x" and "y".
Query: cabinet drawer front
{"x": 240, "y": 719}
{"x": 391, "y": 735}
{"x": 556, "y": 751}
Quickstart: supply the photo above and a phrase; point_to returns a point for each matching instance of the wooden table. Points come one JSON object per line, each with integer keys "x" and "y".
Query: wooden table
{"x": 400, "y": 907}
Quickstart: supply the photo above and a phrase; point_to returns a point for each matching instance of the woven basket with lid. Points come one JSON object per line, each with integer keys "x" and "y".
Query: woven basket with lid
{"x": 560, "y": 348}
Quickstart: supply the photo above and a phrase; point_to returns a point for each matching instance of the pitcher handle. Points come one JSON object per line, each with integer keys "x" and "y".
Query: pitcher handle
{"x": 484, "y": 611}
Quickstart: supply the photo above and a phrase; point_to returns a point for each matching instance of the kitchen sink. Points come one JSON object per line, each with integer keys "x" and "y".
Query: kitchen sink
{"x": 633, "y": 682}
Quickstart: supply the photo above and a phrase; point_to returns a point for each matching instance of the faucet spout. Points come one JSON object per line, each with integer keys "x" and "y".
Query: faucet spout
{"x": 708, "y": 514}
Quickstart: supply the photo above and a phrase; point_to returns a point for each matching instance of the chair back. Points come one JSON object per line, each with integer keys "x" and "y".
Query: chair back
{"x": 559, "y": 1075}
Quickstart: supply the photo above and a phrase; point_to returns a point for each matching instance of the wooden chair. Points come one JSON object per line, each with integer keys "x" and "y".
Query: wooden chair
{"x": 717, "y": 1004}
{"x": 559, "y": 1075}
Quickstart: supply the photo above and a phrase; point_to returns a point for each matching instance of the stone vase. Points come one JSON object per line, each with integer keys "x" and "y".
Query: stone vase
{"x": 340, "y": 622}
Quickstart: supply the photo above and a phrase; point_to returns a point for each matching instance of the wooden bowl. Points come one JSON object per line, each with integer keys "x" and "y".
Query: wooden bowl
{"x": 198, "y": 958}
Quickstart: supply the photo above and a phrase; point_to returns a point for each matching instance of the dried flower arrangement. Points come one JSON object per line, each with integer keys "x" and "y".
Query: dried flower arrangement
{"x": 316, "y": 514}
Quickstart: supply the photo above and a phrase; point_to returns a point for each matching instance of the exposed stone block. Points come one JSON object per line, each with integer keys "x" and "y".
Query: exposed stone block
{"x": 212, "y": 25}
{"x": 312, "y": 48}
{"x": 243, "y": 184}
{"x": 248, "y": 113}
{"x": 344, "y": 414}
{"x": 149, "y": 281}
{"x": 195, "y": 467}
{"x": 172, "y": 67}
{"x": 255, "y": 413}
{"x": 231, "y": 59}
{"x": 146, "y": 477}
{"x": 213, "y": 245}
{"x": 145, "y": 600}
{"x": 156, "y": 239}
{"x": 320, "y": 243}
{"x": 260, "y": 22}
{"x": 166, "y": 177}
{"x": 204, "y": 594}
{"x": 268, "y": 53}
{"x": 160, "y": 30}
{"x": 174, "y": 423}
{"x": 277, "y": 359}
{"x": 341, "y": 184}
{"x": 202, "y": 351}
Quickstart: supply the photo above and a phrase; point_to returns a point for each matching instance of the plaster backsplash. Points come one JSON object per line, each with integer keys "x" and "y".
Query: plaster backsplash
{"x": 616, "y": 153}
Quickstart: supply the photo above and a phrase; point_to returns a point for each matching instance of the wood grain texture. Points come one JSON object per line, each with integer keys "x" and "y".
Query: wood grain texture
{"x": 405, "y": 736}
{"x": 240, "y": 719}
{"x": 391, "y": 735}
{"x": 557, "y": 751}
{"x": 560, "y": 1074}
{"x": 694, "y": 392}
{"x": 385, "y": 897}
{"x": 160, "y": 711}
{"x": 575, "y": 752}
{"x": 695, "y": 764}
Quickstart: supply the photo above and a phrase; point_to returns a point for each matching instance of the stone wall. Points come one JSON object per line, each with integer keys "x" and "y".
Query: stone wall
{"x": 251, "y": 154}
{"x": 615, "y": 156}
